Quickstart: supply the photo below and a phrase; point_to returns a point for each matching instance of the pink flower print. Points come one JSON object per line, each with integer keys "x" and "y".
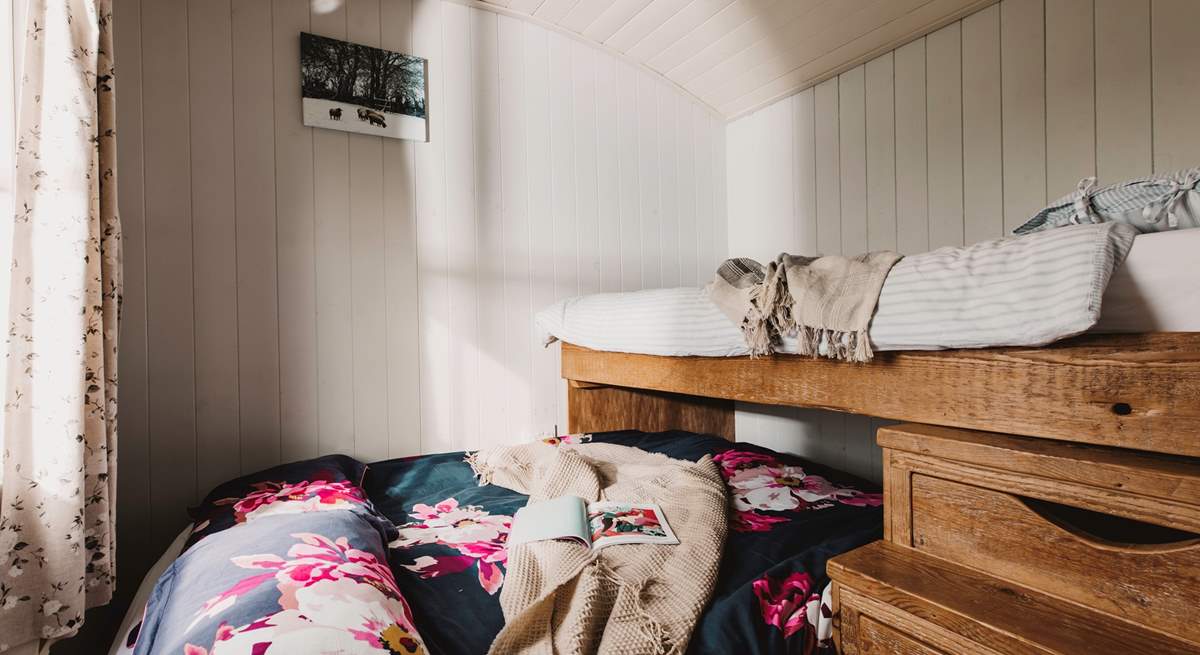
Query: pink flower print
{"x": 779, "y": 488}
{"x": 478, "y": 536}
{"x": 751, "y": 521}
{"x": 788, "y": 604}
{"x": 331, "y": 616}
{"x": 315, "y": 559}
{"x": 448, "y": 524}
{"x": 293, "y": 498}
{"x": 732, "y": 461}
{"x": 760, "y": 483}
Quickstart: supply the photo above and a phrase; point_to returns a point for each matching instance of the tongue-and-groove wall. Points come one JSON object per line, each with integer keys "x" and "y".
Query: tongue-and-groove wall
{"x": 957, "y": 138}
{"x": 292, "y": 292}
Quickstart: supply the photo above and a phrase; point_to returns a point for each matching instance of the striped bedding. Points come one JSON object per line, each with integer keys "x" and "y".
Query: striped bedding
{"x": 1024, "y": 291}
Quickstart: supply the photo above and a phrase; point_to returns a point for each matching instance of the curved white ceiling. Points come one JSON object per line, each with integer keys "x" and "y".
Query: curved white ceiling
{"x": 739, "y": 55}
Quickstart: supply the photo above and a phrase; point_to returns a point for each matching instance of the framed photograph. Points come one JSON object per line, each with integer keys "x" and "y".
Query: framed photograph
{"x": 357, "y": 88}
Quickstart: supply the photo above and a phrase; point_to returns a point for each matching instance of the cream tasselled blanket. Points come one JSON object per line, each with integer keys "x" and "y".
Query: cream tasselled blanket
{"x": 559, "y": 597}
{"x": 826, "y": 301}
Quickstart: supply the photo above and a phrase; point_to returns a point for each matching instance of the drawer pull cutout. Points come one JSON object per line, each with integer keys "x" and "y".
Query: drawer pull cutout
{"x": 1108, "y": 531}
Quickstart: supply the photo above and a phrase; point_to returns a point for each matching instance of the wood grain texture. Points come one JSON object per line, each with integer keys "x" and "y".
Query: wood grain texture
{"x": 995, "y": 532}
{"x": 1078, "y": 383}
{"x": 960, "y": 610}
{"x": 1109, "y": 471}
{"x": 1008, "y": 506}
{"x": 597, "y": 409}
{"x": 875, "y": 638}
{"x": 860, "y": 606}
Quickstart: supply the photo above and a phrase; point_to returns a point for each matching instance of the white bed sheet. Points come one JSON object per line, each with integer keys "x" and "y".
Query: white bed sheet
{"x": 1156, "y": 289}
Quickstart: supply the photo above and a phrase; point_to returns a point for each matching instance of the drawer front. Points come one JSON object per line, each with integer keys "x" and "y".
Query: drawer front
{"x": 875, "y": 638}
{"x": 1028, "y": 543}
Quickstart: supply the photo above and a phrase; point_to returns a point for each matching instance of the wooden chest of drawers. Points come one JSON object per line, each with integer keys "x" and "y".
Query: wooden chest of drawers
{"x": 1079, "y": 547}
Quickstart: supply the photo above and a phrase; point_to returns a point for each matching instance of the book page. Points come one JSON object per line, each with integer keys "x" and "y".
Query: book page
{"x": 612, "y": 523}
{"x": 564, "y": 517}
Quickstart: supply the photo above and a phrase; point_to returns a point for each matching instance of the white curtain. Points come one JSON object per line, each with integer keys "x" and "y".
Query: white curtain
{"x": 57, "y": 496}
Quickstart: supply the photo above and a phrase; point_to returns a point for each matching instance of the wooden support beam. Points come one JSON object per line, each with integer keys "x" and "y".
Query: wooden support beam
{"x": 1138, "y": 391}
{"x": 592, "y": 408}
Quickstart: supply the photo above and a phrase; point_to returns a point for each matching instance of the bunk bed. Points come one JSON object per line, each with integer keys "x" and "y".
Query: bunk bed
{"x": 1136, "y": 391}
{"x": 1040, "y": 500}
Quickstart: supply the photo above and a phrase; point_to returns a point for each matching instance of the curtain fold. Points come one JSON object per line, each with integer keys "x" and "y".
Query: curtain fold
{"x": 58, "y": 494}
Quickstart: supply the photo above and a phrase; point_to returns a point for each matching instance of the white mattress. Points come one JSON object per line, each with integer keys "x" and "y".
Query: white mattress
{"x": 1157, "y": 288}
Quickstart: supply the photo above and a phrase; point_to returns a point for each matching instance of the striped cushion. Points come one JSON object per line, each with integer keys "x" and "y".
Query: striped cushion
{"x": 1025, "y": 291}
{"x": 1151, "y": 204}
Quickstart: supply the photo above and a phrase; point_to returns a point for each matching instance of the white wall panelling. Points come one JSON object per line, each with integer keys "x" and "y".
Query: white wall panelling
{"x": 968, "y": 131}
{"x": 292, "y": 292}
{"x": 740, "y": 55}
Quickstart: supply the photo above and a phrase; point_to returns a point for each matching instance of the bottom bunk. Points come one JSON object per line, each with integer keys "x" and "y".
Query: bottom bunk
{"x": 260, "y": 554}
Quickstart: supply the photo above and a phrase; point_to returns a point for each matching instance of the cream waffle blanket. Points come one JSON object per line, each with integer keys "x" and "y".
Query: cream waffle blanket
{"x": 559, "y": 597}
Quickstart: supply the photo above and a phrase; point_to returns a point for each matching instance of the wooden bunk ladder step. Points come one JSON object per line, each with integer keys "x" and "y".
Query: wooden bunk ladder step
{"x": 949, "y": 608}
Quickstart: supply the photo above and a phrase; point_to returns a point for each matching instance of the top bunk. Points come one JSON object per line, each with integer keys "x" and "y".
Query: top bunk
{"x": 1129, "y": 377}
{"x": 1138, "y": 391}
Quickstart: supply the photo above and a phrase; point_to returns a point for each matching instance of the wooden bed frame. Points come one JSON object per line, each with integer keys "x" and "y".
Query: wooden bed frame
{"x": 1132, "y": 391}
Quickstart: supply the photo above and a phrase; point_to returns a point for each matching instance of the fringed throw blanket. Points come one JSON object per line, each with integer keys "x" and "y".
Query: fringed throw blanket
{"x": 826, "y": 301}
{"x": 559, "y": 597}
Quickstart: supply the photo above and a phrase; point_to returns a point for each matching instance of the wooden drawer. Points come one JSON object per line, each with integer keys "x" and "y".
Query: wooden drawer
{"x": 875, "y": 638}
{"x": 1112, "y": 530}
{"x": 890, "y": 599}
{"x": 1015, "y": 539}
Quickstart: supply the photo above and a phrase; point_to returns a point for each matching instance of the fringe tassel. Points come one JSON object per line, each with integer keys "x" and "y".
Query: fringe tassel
{"x": 481, "y": 470}
{"x": 846, "y": 346}
{"x": 862, "y": 347}
{"x": 779, "y": 300}
{"x": 772, "y": 314}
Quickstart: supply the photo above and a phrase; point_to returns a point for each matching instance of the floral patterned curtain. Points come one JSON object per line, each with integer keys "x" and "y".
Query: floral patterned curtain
{"x": 57, "y": 498}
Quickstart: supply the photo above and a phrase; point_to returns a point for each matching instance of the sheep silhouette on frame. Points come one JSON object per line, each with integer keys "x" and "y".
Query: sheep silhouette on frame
{"x": 383, "y": 90}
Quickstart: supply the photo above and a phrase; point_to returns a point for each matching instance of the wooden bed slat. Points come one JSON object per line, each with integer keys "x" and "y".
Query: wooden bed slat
{"x": 1131, "y": 391}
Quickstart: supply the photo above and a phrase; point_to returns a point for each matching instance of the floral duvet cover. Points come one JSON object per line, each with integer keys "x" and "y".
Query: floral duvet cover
{"x": 410, "y": 557}
{"x": 788, "y": 518}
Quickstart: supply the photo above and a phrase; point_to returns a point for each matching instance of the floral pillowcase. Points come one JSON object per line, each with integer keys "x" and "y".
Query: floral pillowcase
{"x": 333, "y": 482}
{"x": 296, "y": 583}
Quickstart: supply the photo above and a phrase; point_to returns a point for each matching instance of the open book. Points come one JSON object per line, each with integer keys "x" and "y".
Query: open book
{"x": 596, "y": 525}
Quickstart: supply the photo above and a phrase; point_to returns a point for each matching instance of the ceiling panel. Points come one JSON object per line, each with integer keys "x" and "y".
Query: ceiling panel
{"x": 739, "y": 55}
